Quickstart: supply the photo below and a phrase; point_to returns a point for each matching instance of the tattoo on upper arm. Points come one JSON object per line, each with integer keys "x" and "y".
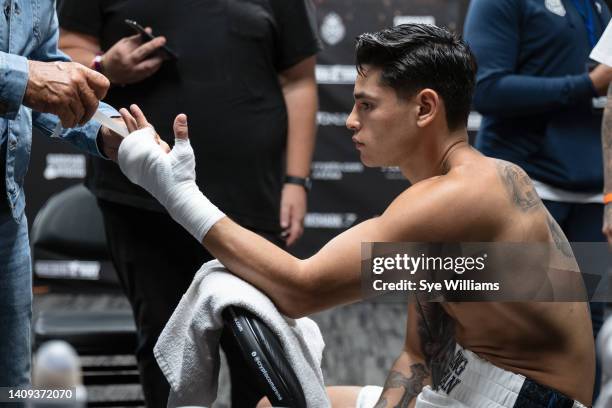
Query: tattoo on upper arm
{"x": 412, "y": 385}
{"x": 518, "y": 185}
{"x": 559, "y": 237}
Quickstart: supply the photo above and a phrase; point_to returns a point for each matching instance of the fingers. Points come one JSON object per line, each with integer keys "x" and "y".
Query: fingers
{"x": 96, "y": 81}
{"x": 181, "y": 129}
{"x": 136, "y": 38}
{"x": 148, "y": 48}
{"x": 148, "y": 67}
{"x": 141, "y": 120}
{"x": 295, "y": 231}
{"x": 129, "y": 120}
{"x": 71, "y": 113}
{"x": 284, "y": 215}
{"x": 88, "y": 100}
{"x": 296, "y": 227}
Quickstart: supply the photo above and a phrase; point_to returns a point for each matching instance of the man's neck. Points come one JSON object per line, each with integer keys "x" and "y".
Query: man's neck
{"x": 436, "y": 157}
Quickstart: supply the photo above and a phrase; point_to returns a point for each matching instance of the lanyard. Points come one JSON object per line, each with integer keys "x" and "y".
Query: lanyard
{"x": 586, "y": 12}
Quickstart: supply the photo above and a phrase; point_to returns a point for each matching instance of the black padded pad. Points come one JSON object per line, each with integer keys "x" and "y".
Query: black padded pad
{"x": 265, "y": 358}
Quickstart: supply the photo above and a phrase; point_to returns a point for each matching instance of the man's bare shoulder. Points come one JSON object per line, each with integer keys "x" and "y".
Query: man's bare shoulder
{"x": 473, "y": 201}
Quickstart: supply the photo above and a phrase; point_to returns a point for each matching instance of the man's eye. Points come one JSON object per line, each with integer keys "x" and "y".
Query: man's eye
{"x": 365, "y": 106}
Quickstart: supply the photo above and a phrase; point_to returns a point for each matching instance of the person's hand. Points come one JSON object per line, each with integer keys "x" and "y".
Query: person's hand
{"x": 607, "y": 222}
{"x": 109, "y": 141}
{"x": 66, "y": 89}
{"x": 130, "y": 61}
{"x": 601, "y": 77}
{"x": 169, "y": 177}
{"x": 293, "y": 211}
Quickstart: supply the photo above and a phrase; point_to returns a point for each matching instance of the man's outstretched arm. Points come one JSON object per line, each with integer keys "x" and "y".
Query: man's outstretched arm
{"x": 297, "y": 287}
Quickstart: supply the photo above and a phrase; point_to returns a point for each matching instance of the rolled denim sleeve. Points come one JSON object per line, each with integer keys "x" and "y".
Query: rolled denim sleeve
{"x": 13, "y": 82}
{"x": 82, "y": 137}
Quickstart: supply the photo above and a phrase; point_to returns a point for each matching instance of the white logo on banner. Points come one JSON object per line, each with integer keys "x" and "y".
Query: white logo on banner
{"x": 88, "y": 270}
{"x": 64, "y": 166}
{"x": 334, "y": 170}
{"x": 332, "y": 29}
{"x": 556, "y": 7}
{"x": 336, "y": 74}
{"x": 331, "y": 118}
{"x": 329, "y": 220}
{"x": 397, "y": 20}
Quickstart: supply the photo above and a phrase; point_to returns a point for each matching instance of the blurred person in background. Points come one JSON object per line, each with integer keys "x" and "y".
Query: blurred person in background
{"x": 536, "y": 89}
{"x": 244, "y": 72}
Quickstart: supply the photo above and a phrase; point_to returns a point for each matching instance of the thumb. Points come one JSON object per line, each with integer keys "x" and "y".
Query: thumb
{"x": 181, "y": 130}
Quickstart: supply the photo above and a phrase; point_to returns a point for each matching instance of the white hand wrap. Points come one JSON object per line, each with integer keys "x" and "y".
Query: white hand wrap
{"x": 170, "y": 178}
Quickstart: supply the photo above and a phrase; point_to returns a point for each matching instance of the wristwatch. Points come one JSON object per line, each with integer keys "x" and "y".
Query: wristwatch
{"x": 300, "y": 181}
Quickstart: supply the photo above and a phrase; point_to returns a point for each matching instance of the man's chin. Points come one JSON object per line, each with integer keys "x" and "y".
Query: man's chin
{"x": 368, "y": 162}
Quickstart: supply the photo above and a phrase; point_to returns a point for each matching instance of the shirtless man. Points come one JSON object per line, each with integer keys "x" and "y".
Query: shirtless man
{"x": 412, "y": 100}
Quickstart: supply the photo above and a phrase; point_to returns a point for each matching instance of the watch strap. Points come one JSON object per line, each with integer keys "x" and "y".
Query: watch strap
{"x": 300, "y": 181}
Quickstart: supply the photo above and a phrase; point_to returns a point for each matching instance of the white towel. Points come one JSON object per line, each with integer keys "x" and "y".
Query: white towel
{"x": 188, "y": 348}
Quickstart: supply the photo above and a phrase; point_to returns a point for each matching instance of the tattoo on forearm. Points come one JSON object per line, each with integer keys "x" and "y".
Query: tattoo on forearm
{"x": 559, "y": 237}
{"x": 412, "y": 385}
{"x": 519, "y": 186}
{"x": 437, "y": 335}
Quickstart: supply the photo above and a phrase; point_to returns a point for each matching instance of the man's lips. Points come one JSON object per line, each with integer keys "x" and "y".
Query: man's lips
{"x": 357, "y": 142}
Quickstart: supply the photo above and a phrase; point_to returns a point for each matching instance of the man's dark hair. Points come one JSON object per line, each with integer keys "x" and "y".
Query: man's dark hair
{"x": 413, "y": 57}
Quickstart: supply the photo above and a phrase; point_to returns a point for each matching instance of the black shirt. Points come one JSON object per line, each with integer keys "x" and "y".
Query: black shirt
{"x": 225, "y": 79}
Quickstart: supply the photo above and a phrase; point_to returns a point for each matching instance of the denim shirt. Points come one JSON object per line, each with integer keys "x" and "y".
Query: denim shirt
{"x": 29, "y": 30}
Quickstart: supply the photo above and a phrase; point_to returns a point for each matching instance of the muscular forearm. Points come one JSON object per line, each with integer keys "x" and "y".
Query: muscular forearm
{"x": 301, "y": 100}
{"x": 297, "y": 287}
{"x": 405, "y": 381}
{"x": 273, "y": 271}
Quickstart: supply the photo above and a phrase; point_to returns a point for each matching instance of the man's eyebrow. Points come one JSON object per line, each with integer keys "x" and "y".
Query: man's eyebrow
{"x": 363, "y": 95}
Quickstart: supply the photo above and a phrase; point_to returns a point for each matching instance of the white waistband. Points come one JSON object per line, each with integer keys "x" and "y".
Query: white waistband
{"x": 477, "y": 383}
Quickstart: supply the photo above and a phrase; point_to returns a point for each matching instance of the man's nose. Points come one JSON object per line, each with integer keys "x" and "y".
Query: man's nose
{"x": 352, "y": 123}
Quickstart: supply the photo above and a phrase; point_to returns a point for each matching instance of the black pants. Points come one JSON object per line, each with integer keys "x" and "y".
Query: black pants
{"x": 156, "y": 259}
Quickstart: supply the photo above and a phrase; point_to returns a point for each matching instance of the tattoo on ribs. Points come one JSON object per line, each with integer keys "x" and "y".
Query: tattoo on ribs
{"x": 519, "y": 186}
{"x": 437, "y": 335}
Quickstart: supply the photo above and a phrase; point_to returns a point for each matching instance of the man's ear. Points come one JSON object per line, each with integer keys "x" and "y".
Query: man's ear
{"x": 429, "y": 104}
